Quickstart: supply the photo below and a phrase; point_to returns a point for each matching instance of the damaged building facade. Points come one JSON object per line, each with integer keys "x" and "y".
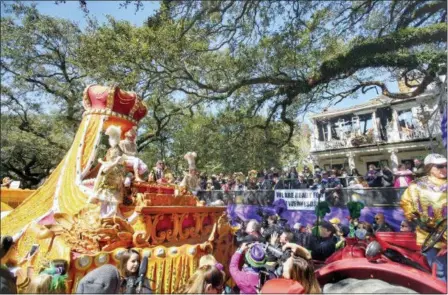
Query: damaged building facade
{"x": 383, "y": 131}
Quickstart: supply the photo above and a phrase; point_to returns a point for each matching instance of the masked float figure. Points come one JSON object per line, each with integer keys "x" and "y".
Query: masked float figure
{"x": 425, "y": 202}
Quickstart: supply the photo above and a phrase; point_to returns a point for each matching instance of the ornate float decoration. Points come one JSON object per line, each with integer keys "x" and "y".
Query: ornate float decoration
{"x": 93, "y": 206}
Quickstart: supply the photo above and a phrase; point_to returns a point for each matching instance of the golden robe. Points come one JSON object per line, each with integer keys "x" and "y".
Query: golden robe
{"x": 427, "y": 196}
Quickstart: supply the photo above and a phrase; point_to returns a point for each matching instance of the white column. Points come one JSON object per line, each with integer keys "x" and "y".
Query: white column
{"x": 351, "y": 161}
{"x": 315, "y": 136}
{"x": 329, "y": 131}
{"x": 395, "y": 136}
{"x": 375, "y": 127}
{"x": 394, "y": 159}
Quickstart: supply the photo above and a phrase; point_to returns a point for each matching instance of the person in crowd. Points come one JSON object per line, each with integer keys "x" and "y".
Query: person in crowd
{"x": 355, "y": 184}
{"x": 215, "y": 183}
{"x": 51, "y": 280}
{"x": 300, "y": 268}
{"x": 425, "y": 203}
{"x": 387, "y": 177}
{"x": 355, "y": 172}
{"x": 7, "y": 280}
{"x": 267, "y": 183}
{"x": 229, "y": 185}
{"x": 203, "y": 181}
{"x": 408, "y": 165}
{"x": 367, "y": 227}
{"x": 253, "y": 230}
{"x": 286, "y": 237}
{"x": 307, "y": 173}
{"x": 373, "y": 176}
{"x": 317, "y": 183}
{"x": 403, "y": 177}
{"x": 301, "y": 183}
{"x": 324, "y": 246}
{"x": 207, "y": 279}
{"x": 102, "y": 280}
{"x": 419, "y": 168}
{"x": 407, "y": 226}
{"x": 128, "y": 267}
{"x": 239, "y": 185}
{"x": 247, "y": 278}
{"x": 362, "y": 181}
{"x": 380, "y": 224}
{"x": 208, "y": 259}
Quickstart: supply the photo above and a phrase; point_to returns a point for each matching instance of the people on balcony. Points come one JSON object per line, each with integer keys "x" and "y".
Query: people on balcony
{"x": 373, "y": 176}
{"x": 403, "y": 176}
{"x": 419, "y": 168}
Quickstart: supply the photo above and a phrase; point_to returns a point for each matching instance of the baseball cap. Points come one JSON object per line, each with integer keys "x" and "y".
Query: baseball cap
{"x": 436, "y": 159}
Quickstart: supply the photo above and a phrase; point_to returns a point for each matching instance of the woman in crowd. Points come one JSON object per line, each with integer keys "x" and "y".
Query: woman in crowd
{"x": 50, "y": 281}
{"x": 207, "y": 279}
{"x": 128, "y": 267}
{"x": 407, "y": 226}
{"x": 299, "y": 267}
{"x": 403, "y": 177}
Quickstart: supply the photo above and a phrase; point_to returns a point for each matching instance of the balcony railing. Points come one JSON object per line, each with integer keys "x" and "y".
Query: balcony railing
{"x": 404, "y": 135}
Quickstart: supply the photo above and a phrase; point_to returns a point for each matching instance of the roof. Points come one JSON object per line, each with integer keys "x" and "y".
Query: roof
{"x": 380, "y": 100}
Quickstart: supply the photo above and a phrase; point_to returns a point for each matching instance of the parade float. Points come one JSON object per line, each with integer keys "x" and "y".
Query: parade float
{"x": 93, "y": 206}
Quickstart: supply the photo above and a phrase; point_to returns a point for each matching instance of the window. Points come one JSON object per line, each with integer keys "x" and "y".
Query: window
{"x": 406, "y": 119}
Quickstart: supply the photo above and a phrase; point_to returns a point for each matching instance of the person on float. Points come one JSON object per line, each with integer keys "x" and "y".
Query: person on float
{"x": 161, "y": 174}
{"x": 109, "y": 183}
{"x": 129, "y": 148}
{"x": 191, "y": 180}
{"x": 425, "y": 202}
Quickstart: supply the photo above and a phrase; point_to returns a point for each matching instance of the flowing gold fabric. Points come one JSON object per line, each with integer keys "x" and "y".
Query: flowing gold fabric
{"x": 70, "y": 198}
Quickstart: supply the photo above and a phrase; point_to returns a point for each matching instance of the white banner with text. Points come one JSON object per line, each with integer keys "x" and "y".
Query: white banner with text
{"x": 303, "y": 199}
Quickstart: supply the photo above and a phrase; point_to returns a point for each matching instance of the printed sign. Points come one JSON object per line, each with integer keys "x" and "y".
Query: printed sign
{"x": 299, "y": 199}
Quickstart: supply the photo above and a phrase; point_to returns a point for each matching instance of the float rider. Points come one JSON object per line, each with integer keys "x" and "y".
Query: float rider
{"x": 425, "y": 202}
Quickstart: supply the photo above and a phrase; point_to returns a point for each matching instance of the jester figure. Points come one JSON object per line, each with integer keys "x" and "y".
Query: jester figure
{"x": 354, "y": 209}
{"x": 424, "y": 202}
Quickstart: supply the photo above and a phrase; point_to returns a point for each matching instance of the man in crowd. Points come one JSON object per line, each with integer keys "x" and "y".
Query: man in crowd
{"x": 324, "y": 246}
{"x": 373, "y": 177}
{"x": 380, "y": 224}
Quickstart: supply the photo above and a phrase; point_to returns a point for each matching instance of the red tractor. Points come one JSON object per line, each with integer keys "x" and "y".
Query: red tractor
{"x": 392, "y": 257}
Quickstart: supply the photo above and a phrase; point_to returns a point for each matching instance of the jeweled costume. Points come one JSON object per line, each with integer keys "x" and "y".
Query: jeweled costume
{"x": 427, "y": 196}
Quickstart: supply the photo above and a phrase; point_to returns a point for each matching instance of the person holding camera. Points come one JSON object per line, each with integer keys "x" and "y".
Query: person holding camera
{"x": 247, "y": 278}
{"x": 297, "y": 276}
{"x": 324, "y": 246}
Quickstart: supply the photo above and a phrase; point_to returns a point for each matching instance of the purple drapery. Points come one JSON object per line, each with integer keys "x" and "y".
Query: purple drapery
{"x": 444, "y": 124}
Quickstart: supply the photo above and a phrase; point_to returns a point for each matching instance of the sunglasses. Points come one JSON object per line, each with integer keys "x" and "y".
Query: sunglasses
{"x": 403, "y": 225}
{"x": 441, "y": 166}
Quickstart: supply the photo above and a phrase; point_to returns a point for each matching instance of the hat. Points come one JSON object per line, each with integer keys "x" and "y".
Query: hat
{"x": 102, "y": 280}
{"x": 335, "y": 220}
{"x": 256, "y": 256}
{"x": 436, "y": 159}
{"x": 285, "y": 286}
{"x": 191, "y": 159}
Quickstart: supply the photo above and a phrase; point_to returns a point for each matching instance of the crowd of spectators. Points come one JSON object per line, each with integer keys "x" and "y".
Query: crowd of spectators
{"x": 317, "y": 179}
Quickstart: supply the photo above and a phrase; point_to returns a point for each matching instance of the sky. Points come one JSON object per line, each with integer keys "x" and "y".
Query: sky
{"x": 100, "y": 9}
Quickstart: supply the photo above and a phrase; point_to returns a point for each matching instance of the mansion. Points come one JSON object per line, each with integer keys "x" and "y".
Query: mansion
{"x": 382, "y": 131}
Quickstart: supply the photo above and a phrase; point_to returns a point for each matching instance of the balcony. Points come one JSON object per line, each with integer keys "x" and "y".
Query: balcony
{"x": 403, "y": 135}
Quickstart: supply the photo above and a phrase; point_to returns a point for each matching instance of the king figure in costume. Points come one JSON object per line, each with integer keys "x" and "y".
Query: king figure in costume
{"x": 424, "y": 201}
